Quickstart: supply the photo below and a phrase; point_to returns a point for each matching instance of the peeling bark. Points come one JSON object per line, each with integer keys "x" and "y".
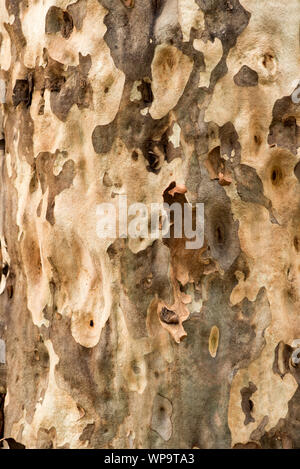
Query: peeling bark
{"x": 142, "y": 343}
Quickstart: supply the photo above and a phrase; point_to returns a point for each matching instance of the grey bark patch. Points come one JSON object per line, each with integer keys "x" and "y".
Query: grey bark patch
{"x": 247, "y": 404}
{"x": 225, "y": 20}
{"x": 87, "y": 432}
{"x": 22, "y": 91}
{"x": 214, "y": 163}
{"x": 249, "y": 307}
{"x": 143, "y": 276}
{"x": 2, "y": 352}
{"x": 194, "y": 176}
{"x": 221, "y": 231}
{"x": 284, "y": 131}
{"x": 249, "y": 185}
{"x": 141, "y": 132}
{"x": 103, "y": 137}
{"x": 29, "y": 338}
{"x": 206, "y": 398}
{"x": 88, "y": 376}
{"x": 250, "y": 188}
{"x": 78, "y": 12}
{"x": 246, "y": 77}
{"x": 161, "y": 417}
{"x": 257, "y": 434}
{"x": 69, "y": 87}
{"x": 128, "y": 36}
{"x": 151, "y": 136}
{"x": 230, "y": 142}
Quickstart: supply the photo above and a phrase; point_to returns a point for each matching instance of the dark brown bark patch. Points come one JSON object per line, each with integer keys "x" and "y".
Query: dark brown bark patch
{"x": 284, "y": 131}
{"x": 58, "y": 20}
{"x": 103, "y": 137}
{"x": 247, "y": 403}
{"x": 168, "y": 316}
{"x": 56, "y": 184}
{"x": 246, "y": 77}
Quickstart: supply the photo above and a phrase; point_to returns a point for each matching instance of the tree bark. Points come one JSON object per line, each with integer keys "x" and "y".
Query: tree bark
{"x": 143, "y": 343}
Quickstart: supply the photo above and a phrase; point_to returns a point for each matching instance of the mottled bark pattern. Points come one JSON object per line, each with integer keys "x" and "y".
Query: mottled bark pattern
{"x": 135, "y": 343}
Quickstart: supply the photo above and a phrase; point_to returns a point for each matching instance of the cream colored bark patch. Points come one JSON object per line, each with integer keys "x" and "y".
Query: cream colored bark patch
{"x": 270, "y": 399}
{"x": 175, "y": 137}
{"x": 5, "y": 45}
{"x": 189, "y": 16}
{"x": 171, "y": 70}
{"x": 213, "y": 52}
{"x": 135, "y": 94}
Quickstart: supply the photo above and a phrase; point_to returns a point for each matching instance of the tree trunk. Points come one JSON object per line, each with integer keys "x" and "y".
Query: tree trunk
{"x": 123, "y": 342}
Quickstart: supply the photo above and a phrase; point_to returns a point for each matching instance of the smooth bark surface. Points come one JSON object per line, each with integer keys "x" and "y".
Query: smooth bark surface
{"x": 142, "y": 343}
